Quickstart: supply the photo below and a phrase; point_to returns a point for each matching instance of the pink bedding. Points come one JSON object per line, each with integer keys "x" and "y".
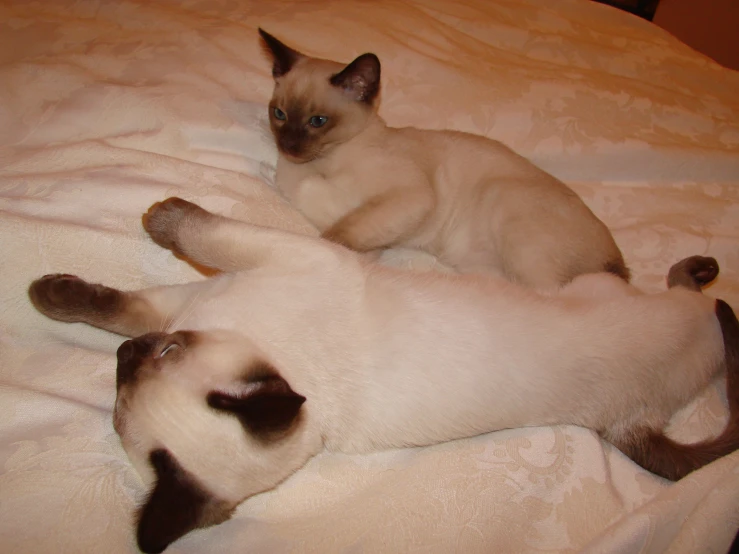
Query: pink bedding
{"x": 109, "y": 106}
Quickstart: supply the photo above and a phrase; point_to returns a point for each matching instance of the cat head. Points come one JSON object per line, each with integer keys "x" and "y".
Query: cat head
{"x": 208, "y": 422}
{"x": 318, "y": 103}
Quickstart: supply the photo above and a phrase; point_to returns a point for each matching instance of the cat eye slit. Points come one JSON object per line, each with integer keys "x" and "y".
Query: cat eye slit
{"x": 173, "y": 344}
{"x": 168, "y": 349}
{"x": 317, "y": 121}
{"x": 279, "y": 114}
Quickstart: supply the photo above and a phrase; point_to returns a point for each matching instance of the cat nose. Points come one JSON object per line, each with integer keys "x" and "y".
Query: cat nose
{"x": 291, "y": 141}
{"x": 132, "y": 353}
{"x": 290, "y": 146}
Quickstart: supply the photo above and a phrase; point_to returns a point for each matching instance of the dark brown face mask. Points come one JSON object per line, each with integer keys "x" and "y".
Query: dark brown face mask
{"x": 133, "y": 353}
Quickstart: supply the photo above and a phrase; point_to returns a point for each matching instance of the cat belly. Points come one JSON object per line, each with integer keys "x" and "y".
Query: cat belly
{"x": 456, "y": 238}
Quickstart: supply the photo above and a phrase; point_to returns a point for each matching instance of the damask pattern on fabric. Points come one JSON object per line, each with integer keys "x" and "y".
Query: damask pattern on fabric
{"x": 107, "y": 106}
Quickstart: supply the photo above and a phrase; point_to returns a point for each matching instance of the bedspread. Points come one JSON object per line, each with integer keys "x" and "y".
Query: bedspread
{"x": 107, "y": 106}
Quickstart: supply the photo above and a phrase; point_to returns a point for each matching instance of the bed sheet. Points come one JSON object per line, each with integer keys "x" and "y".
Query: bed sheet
{"x": 109, "y": 106}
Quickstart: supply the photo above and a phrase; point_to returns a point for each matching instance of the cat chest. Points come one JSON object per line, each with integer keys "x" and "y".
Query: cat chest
{"x": 322, "y": 200}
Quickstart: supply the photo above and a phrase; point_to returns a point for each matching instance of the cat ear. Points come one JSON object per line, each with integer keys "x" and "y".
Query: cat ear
{"x": 267, "y": 408}
{"x": 283, "y": 57}
{"x": 360, "y": 79}
{"x": 176, "y": 505}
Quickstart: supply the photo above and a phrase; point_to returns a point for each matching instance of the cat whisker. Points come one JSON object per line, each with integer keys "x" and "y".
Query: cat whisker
{"x": 166, "y": 322}
{"x": 185, "y": 313}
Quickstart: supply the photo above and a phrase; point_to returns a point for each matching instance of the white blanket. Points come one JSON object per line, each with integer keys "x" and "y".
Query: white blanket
{"x": 108, "y": 106}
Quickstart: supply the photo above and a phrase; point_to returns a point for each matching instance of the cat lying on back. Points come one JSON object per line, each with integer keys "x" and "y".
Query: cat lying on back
{"x": 303, "y": 345}
{"x": 469, "y": 200}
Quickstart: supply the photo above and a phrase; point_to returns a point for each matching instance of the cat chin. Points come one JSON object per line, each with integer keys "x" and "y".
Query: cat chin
{"x": 298, "y": 159}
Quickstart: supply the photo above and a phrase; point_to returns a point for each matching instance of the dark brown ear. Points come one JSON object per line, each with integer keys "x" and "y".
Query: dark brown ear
{"x": 267, "y": 409}
{"x": 360, "y": 79}
{"x": 283, "y": 57}
{"x": 176, "y": 505}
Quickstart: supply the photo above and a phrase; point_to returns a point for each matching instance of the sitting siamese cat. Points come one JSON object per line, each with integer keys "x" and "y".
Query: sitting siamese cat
{"x": 469, "y": 200}
{"x": 231, "y": 384}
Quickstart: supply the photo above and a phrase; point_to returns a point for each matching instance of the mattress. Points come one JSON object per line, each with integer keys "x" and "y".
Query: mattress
{"x": 109, "y": 106}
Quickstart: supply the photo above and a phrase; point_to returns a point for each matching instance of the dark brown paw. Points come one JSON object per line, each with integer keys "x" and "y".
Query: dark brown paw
{"x": 164, "y": 219}
{"x": 694, "y": 272}
{"x": 69, "y": 298}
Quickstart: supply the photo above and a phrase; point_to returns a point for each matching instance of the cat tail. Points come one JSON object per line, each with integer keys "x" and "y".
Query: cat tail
{"x": 651, "y": 448}
{"x": 658, "y": 453}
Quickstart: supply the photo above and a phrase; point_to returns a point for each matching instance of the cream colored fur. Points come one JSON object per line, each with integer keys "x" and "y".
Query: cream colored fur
{"x": 469, "y": 200}
{"x": 385, "y": 358}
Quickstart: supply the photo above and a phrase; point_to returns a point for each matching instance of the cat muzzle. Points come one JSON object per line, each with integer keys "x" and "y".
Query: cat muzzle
{"x": 132, "y": 353}
{"x": 294, "y": 149}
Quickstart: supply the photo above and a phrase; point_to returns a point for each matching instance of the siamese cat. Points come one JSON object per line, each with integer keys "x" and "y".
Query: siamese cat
{"x": 469, "y": 200}
{"x": 231, "y": 384}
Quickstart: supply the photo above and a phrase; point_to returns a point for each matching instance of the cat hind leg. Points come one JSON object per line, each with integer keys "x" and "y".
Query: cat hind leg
{"x": 694, "y": 272}
{"x": 653, "y": 450}
{"x": 598, "y": 285}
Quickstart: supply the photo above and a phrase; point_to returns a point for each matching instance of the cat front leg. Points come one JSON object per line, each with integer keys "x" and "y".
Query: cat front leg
{"x": 383, "y": 221}
{"x": 225, "y": 244}
{"x": 72, "y": 300}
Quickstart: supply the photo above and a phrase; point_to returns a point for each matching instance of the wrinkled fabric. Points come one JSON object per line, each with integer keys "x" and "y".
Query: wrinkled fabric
{"x": 109, "y": 106}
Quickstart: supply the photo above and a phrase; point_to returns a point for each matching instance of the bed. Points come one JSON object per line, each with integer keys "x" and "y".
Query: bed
{"x": 109, "y": 106}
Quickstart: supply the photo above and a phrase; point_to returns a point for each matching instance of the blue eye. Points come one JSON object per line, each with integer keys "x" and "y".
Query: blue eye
{"x": 279, "y": 114}
{"x": 318, "y": 120}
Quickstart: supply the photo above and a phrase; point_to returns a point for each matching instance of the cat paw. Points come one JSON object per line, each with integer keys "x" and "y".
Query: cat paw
{"x": 693, "y": 272}
{"x": 68, "y": 298}
{"x": 164, "y": 219}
